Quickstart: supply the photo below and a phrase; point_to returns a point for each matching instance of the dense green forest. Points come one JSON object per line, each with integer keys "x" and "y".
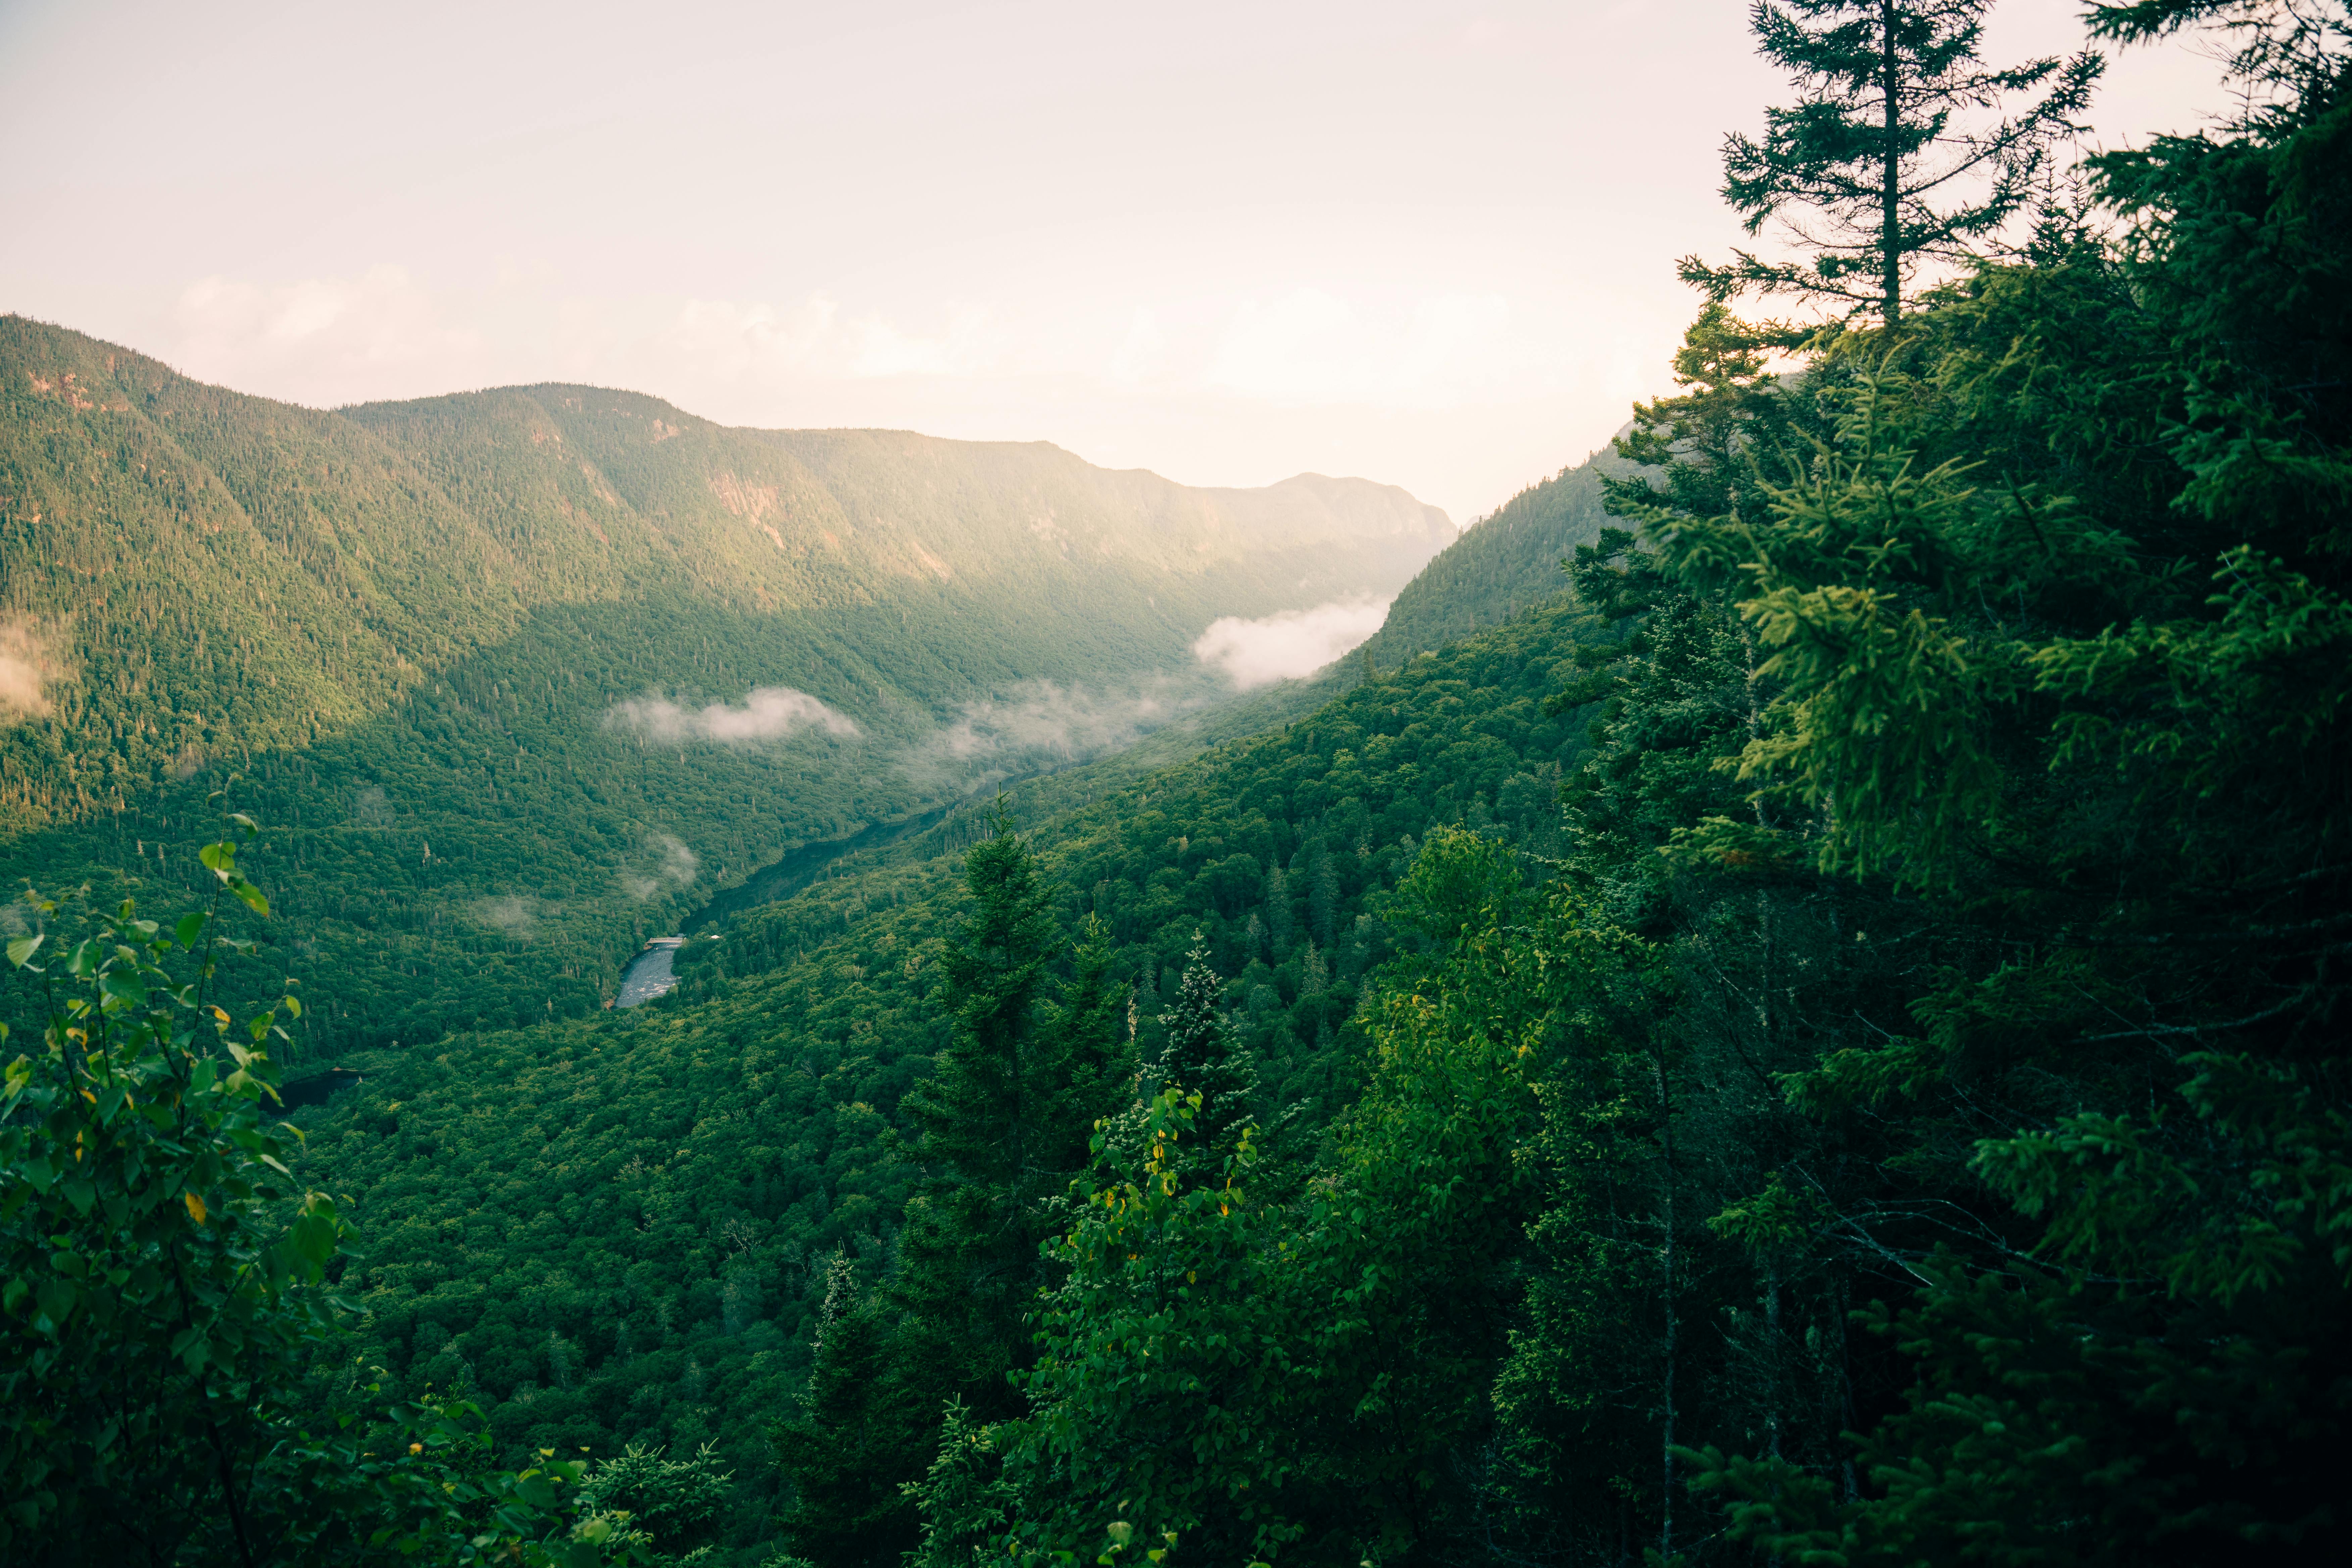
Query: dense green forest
{"x": 1822, "y": 1041}
{"x": 771, "y": 1083}
{"x": 466, "y": 655}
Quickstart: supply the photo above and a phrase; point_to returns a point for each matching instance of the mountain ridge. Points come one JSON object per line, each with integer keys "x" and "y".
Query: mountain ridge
{"x": 372, "y": 543}
{"x": 513, "y": 678}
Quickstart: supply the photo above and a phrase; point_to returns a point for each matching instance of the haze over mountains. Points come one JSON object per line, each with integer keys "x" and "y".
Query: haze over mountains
{"x": 517, "y": 675}
{"x": 1781, "y": 995}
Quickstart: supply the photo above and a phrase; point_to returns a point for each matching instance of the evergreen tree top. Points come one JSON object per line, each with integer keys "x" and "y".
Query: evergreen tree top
{"x": 1884, "y": 164}
{"x": 1202, "y": 1056}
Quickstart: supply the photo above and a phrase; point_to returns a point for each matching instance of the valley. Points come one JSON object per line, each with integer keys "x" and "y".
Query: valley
{"x": 518, "y": 679}
{"x": 597, "y": 989}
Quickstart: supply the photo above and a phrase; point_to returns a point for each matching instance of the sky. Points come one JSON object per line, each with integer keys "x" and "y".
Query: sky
{"x": 1432, "y": 245}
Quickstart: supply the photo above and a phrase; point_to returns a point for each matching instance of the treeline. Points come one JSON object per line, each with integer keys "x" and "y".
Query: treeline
{"x": 1826, "y": 1048}
{"x": 1910, "y": 1127}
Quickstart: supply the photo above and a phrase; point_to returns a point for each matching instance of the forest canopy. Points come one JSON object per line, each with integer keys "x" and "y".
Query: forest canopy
{"x": 1818, "y": 1041}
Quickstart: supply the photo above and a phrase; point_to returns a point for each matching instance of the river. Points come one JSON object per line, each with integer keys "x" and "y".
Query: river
{"x": 649, "y": 974}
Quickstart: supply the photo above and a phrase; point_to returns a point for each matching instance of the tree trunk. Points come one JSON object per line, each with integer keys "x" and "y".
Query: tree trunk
{"x": 1890, "y": 197}
{"x": 1667, "y": 1443}
{"x": 1772, "y": 1358}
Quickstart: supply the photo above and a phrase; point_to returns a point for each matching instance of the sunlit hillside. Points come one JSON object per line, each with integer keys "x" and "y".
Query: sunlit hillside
{"x": 517, "y": 676}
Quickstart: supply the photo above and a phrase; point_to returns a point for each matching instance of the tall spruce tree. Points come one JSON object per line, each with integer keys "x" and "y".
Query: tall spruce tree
{"x": 977, "y": 1113}
{"x": 995, "y": 1125}
{"x": 1202, "y": 1056}
{"x": 998, "y": 1126}
{"x": 1872, "y": 170}
{"x": 863, "y": 1424}
{"x": 1094, "y": 1061}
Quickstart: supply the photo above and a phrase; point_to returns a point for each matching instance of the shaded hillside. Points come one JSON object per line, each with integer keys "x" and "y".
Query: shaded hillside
{"x": 1499, "y": 565}
{"x": 694, "y": 1162}
{"x": 517, "y": 676}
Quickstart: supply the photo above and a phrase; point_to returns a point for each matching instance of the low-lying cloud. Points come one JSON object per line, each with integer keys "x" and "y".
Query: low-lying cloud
{"x": 767, "y": 713}
{"x": 667, "y": 863}
{"x": 1287, "y": 646}
{"x": 1040, "y": 724}
{"x": 511, "y": 913}
{"x": 27, "y": 669}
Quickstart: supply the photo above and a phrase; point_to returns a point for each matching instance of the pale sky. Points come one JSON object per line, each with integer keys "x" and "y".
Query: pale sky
{"x": 1432, "y": 244}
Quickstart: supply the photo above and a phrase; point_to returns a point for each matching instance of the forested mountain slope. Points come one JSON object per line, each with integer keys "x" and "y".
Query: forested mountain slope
{"x": 1825, "y": 1045}
{"x": 516, "y": 675}
{"x": 994, "y": 509}
{"x": 695, "y": 1160}
{"x": 1500, "y": 564}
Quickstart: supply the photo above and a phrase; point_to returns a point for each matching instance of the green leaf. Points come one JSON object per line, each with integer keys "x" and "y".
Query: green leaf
{"x": 190, "y": 928}
{"x": 249, "y": 893}
{"x": 220, "y": 858}
{"x": 56, "y": 1298}
{"x": 24, "y": 947}
{"x": 314, "y": 1237}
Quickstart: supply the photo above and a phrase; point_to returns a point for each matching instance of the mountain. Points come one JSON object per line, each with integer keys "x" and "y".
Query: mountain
{"x": 973, "y": 501}
{"x": 515, "y": 677}
{"x": 1501, "y": 565}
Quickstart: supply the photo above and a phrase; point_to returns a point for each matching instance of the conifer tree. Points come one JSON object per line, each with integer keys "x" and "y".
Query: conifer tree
{"x": 1277, "y": 908}
{"x": 1871, "y": 170}
{"x": 988, "y": 1115}
{"x": 863, "y": 1426}
{"x": 1202, "y": 1056}
{"x": 1091, "y": 1058}
{"x": 1323, "y": 893}
{"x": 979, "y": 1113}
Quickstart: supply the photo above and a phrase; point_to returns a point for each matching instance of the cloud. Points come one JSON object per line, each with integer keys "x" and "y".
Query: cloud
{"x": 769, "y": 713}
{"x": 1038, "y": 725}
{"x": 1288, "y": 646}
{"x": 671, "y": 863}
{"x": 27, "y": 669}
{"x": 514, "y": 914}
{"x": 382, "y": 318}
{"x": 814, "y": 339}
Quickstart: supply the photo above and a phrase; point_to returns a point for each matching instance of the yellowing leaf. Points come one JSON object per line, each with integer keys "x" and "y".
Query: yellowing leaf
{"x": 195, "y": 1207}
